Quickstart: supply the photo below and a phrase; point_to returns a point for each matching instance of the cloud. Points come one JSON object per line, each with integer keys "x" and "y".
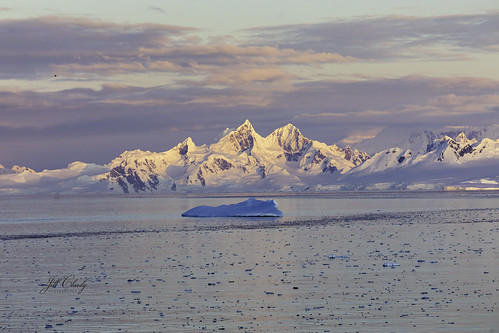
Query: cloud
{"x": 157, "y": 9}
{"x": 390, "y": 37}
{"x": 339, "y": 105}
{"x": 358, "y": 135}
{"x": 242, "y": 76}
{"x": 77, "y": 49}
{"x": 153, "y": 81}
{"x": 423, "y": 101}
{"x": 85, "y": 49}
{"x": 36, "y": 46}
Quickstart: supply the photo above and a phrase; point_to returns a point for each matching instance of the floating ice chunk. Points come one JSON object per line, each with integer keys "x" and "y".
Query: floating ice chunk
{"x": 249, "y": 208}
{"x": 332, "y": 256}
{"x": 390, "y": 264}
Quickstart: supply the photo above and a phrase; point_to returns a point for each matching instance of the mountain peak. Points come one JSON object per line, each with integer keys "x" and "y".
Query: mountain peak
{"x": 189, "y": 141}
{"x": 245, "y": 127}
{"x": 289, "y": 138}
{"x": 286, "y": 131}
{"x": 289, "y": 126}
{"x": 462, "y": 138}
{"x": 242, "y": 138}
{"x": 185, "y": 146}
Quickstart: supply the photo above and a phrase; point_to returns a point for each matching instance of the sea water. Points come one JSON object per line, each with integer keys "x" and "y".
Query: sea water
{"x": 132, "y": 263}
{"x": 60, "y": 214}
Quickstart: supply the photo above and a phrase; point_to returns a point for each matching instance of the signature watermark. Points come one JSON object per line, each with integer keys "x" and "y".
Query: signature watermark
{"x": 64, "y": 284}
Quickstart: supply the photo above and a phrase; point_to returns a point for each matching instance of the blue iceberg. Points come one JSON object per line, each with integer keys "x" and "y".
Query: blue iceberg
{"x": 249, "y": 208}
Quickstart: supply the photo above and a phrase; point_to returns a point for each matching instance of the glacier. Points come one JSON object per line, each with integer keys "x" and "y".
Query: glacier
{"x": 241, "y": 160}
{"x": 248, "y": 208}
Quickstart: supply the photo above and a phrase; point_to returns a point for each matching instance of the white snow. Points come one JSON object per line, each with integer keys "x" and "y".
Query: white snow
{"x": 248, "y": 208}
{"x": 417, "y": 140}
{"x": 78, "y": 177}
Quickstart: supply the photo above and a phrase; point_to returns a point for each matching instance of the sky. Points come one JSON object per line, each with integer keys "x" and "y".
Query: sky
{"x": 87, "y": 80}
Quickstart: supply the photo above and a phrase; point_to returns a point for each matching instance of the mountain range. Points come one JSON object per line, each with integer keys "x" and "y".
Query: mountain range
{"x": 243, "y": 161}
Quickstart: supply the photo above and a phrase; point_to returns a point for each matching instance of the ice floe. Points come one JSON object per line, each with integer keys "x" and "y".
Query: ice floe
{"x": 390, "y": 264}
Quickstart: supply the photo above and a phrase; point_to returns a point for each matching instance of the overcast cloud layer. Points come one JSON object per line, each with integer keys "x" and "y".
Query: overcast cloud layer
{"x": 78, "y": 88}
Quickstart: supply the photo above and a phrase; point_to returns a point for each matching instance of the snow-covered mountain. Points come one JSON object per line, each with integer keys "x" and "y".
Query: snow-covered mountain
{"x": 419, "y": 140}
{"x": 240, "y": 160}
{"x": 447, "y": 162}
{"x": 243, "y": 161}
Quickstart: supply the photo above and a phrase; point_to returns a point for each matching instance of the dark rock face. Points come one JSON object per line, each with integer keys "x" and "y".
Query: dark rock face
{"x": 201, "y": 178}
{"x": 245, "y": 142}
{"x": 296, "y": 143}
{"x": 328, "y": 168}
{"x": 242, "y": 139}
{"x": 292, "y": 157}
{"x": 355, "y": 156}
{"x": 153, "y": 182}
{"x": 295, "y": 155}
{"x": 404, "y": 157}
{"x": 183, "y": 150}
{"x": 318, "y": 157}
{"x": 468, "y": 149}
{"x": 117, "y": 172}
{"x": 348, "y": 154}
{"x": 126, "y": 177}
{"x": 223, "y": 164}
{"x": 123, "y": 185}
{"x": 218, "y": 164}
{"x": 137, "y": 183}
{"x": 261, "y": 171}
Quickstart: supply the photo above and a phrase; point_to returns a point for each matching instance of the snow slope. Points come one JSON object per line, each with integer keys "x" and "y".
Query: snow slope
{"x": 419, "y": 140}
{"x": 448, "y": 162}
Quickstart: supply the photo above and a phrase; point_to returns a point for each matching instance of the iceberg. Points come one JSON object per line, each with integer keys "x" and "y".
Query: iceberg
{"x": 248, "y": 208}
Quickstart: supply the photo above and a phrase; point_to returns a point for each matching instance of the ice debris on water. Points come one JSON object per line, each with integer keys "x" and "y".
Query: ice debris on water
{"x": 332, "y": 256}
{"x": 248, "y": 208}
{"x": 390, "y": 264}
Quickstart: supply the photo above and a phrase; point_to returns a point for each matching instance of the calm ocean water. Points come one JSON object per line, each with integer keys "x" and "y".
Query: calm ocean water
{"x": 63, "y": 214}
{"x": 133, "y": 264}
